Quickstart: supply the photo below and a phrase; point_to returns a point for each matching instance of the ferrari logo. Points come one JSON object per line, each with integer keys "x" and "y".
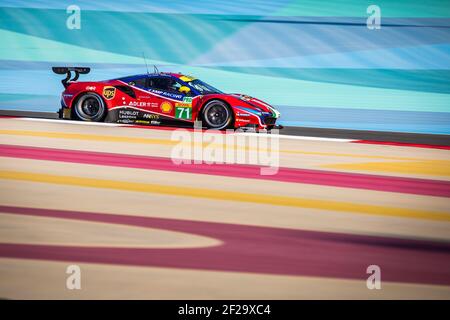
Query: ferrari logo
{"x": 166, "y": 107}
{"x": 109, "y": 92}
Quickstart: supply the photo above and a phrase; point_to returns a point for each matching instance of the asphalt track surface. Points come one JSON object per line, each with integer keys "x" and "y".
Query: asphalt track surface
{"x": 379, "y": 136}
{"x": 110, "y": 199}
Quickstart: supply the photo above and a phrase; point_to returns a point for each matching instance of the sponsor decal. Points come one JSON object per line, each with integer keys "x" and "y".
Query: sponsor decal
{"x": 143, "y": 104}
{"x": 167, "y": 94}
{"x": 151, "y": 116}
{"x": 183, "y": 105}
{"x": 127, "y": 121}
{"x": 187, "y": 100}
{"x": 128, "y": 114}
{"x": 109, "y": 92}
{"x": 252, "y": 111}
{"x": 166, "y": 107}
{"x": 142, "y": 122}
{"x": 91, "y": 88}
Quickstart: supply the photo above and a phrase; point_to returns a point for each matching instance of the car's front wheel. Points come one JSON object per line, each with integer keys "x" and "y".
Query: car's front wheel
{"x": 217, "y": 115}
{"x": 90, "y": 107}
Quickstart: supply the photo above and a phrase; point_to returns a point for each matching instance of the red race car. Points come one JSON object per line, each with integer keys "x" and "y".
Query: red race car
{"x": 160, "y": 97}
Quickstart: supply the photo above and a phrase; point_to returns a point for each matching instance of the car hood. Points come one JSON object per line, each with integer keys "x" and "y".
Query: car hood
{"x": 257, "y": 104}
{"x": 251, "y": 104}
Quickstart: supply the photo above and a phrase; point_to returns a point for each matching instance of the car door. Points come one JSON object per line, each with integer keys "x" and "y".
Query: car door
{"x": 143, "y": 100}
{"x": 165, "y": 92}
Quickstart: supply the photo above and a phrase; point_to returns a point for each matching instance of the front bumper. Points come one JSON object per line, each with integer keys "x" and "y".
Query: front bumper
{"x": 258, "y": 128}
{"x": 247, "y": 118}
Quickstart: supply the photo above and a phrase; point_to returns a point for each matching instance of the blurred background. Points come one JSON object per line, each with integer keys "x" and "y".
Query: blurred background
{"x": 319, "y": 64}
{"x": 110, "y": 199}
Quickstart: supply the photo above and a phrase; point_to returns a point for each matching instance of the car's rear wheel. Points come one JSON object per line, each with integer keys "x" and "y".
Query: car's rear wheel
{"x": 90, "y": 107}
{"x": 217, "y": 115}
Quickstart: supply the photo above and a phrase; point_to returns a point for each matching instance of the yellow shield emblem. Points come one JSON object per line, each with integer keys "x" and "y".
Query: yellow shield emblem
{"x": 166, "y": 107}
{"x": 109, "y": 92}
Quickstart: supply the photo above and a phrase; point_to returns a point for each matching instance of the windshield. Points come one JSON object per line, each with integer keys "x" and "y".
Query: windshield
{"x": 202, "y": 87}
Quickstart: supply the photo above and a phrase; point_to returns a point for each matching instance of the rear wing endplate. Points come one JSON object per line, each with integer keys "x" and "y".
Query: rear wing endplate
{"x": 68, "y": 72}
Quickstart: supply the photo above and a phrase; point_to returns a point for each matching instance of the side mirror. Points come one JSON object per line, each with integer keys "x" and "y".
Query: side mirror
{"x": 184, "y": 89}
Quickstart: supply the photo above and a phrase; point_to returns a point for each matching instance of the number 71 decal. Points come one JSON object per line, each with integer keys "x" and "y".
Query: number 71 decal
{"x": 183, "y": 113}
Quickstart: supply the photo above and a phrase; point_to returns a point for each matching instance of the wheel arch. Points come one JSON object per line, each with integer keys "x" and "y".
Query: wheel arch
{"x": 200, "y": 110}
{"x": 79, "y": 95}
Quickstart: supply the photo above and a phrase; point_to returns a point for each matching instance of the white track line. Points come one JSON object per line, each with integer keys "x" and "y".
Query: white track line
{"x": 72, "y": 122}
{"x": 250, "y": 134}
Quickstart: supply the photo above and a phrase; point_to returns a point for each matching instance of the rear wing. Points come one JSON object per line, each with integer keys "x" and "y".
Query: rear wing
{"x": 68, "y": 72}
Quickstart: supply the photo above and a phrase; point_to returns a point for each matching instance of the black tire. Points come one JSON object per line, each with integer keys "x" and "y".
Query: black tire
{"x": 90, "y": 107}
{"x": 217, "y": 114}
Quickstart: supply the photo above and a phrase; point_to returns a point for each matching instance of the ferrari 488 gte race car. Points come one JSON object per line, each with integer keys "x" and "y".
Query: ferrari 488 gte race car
{"x": 160, "y": 97}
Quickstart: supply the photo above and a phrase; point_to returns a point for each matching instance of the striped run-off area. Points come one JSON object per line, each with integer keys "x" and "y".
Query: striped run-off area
{"x": 111, "y": 200}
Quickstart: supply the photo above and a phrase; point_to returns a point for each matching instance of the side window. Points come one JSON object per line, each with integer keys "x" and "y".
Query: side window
{"x": 141, "y": 83}
{"x": 164, "y": 84}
